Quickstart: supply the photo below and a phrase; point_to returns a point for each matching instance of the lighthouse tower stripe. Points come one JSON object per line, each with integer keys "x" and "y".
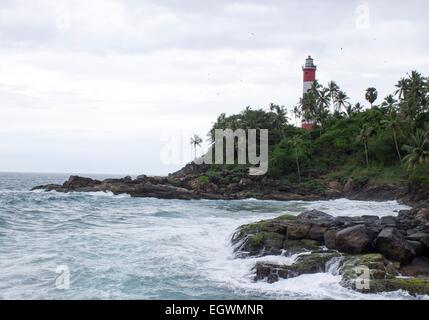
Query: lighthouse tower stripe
{"x": 307, "y": 86}
{"x": 309, "y": 75}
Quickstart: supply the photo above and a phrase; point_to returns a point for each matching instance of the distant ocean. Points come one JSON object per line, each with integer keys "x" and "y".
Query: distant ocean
{"x": 118, "y": 247}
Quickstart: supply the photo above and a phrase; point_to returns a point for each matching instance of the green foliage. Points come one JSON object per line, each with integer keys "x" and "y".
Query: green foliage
{"x": 174, "y": 182}
{"x": 203, "y": 180}
{"x": 369, "y": 145}
{"x": 420, "y": 175}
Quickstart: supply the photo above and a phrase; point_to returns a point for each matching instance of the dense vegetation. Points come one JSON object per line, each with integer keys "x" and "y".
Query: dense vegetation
{"x": 386, "y": 142}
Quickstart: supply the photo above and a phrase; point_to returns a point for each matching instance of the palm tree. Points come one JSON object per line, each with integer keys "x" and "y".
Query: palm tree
{"x": 363, "y": 137}
{"x": 417, "y": 149}
{"x": 371, "y": 95}
{"x": 341, "y": 101}
{"x": 297, "y": 111}
{"x": 297, "y": 144}
{"x": 280, "y": 118}
{"x": 392, "y": 124}
{"x": 196, "y": 142}
{"x": 333, "y": 91}
{"x": 389, "y": 103}
{"x": 402, "y": 87}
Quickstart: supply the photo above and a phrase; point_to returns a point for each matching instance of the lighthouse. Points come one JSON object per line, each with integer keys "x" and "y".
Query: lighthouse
{"x": 309, "y": 71}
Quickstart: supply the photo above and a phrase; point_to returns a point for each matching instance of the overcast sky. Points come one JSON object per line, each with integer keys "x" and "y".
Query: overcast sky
{"x": 106, "y": 86}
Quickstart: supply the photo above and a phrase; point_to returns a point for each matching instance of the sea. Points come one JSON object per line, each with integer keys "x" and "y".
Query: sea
{"x": 104, "y": 246}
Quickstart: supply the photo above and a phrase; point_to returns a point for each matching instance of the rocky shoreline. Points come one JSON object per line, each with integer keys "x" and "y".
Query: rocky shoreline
{"x": 192, "y": 182}
{"x": 395, "y": 250}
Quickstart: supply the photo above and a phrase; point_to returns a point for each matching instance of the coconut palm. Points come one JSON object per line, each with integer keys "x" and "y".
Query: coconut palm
{"x": 402, "y": 86}
{"x": 363, "y": 138}
{"x": 196, "y": 142}
{"x": 417, "y": 149}
{"x": 280, "y": 119}
{"x": 333, "y": 91}
{"x": 341, "y": 101}
{"x": 390, "y": 103}
{"x": 371, "y": 95}
{"x": 392, "y": 124}
{"x": 297, "y": 144}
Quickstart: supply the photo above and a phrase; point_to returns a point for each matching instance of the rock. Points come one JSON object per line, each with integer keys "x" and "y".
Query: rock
{"x": 388, "y": 221}
{"x": 334, "y": 185}
{"x": 421, "y": 215}
{"x": 305, "y": 264}
{"x": 310, "y": 225}
{"x": 417, "y": 247}
{"x": 315, "y": 216}
{"x": 350, "y": 186}
{"x": 393, "y": 245}
{"x": 416, "y": 236}
{"x": 426, "y": 227}
{"x": 417, "y": 268}
{"x": 378, "y": 268}
{"x": 76, "y": 182}
{"x": 354, "y": 240}
{"x": 329, "y": 238}
{"x": 299, "y": 246}
{"x": 263, "y": 243}
{"x": 414, "y": 286}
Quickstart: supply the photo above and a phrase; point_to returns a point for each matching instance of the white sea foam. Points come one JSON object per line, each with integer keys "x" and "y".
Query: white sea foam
{"x": 119, "y": 247}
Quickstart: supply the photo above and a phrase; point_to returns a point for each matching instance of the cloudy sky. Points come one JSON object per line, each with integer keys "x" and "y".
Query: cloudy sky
{"x": 107, "y": 86}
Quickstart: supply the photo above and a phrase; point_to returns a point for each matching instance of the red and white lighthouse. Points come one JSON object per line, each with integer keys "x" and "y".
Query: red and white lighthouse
{"x": 309, "y": 70}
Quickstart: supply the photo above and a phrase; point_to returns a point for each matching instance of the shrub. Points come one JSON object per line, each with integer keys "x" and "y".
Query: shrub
{"x": 420, "y": 176}
{"x": 203, "y": 180}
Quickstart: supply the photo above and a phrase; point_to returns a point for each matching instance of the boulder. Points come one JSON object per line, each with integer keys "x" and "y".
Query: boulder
{"x": 305, "y": 264}
{"x": 329, "y": 238}
{"x": 391, "y": 243}
{"x": 354, "y": 240}
{"x": 417, "y": 268}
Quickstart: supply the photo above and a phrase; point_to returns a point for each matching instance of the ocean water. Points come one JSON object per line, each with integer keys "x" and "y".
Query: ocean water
{"x": 118, "y": 247}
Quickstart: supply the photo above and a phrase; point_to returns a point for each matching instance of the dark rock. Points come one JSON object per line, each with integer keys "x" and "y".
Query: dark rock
{"x": 417, "y": 268}
{"x": 391, "y": 243}
{"x": 416, "y": 236}
{"x": 417, "y": 247}
{"x": 353, "y": 240}
{"x": 329, "y": 238}
{"x": 76, "y": 182}
{"x": 305, "y": 264}
{"x": 388, "y": 221}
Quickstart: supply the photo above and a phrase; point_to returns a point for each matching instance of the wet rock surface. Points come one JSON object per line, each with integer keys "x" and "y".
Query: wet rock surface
{"x": 392, "y": 251}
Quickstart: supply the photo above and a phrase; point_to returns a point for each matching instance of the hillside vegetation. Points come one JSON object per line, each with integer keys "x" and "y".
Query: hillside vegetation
{"x": 386, "y": 142}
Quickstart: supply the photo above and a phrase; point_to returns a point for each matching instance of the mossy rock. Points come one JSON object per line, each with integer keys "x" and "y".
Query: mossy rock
{"x": 287, "y": 217}
{"x": 264, "y": 243}
{"x": 379, "y": 269}
{"x": 414, "y": 286}
{"x": 299, "y": 246}
{"x": 312, "y": 263}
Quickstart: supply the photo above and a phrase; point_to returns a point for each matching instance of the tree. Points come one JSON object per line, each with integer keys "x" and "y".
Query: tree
{"x": 363, "y": 137}
{"x": 280, "y": 118}
{"x": 392, "y": 124}
{"x": 196, "y": 142}
{"x": 297, "y": 144}
{"x": 371, "y": 95}
{"x": 341, "y": 101}
{"x": 333, "y": 91}
{"x": 417, "y": 149}
{"x": 390, "y": 103}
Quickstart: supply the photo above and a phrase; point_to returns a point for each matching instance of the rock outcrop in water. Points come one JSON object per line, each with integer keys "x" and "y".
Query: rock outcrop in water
{"x": 196, "y": 182}
{"x": 395, "y": 250}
